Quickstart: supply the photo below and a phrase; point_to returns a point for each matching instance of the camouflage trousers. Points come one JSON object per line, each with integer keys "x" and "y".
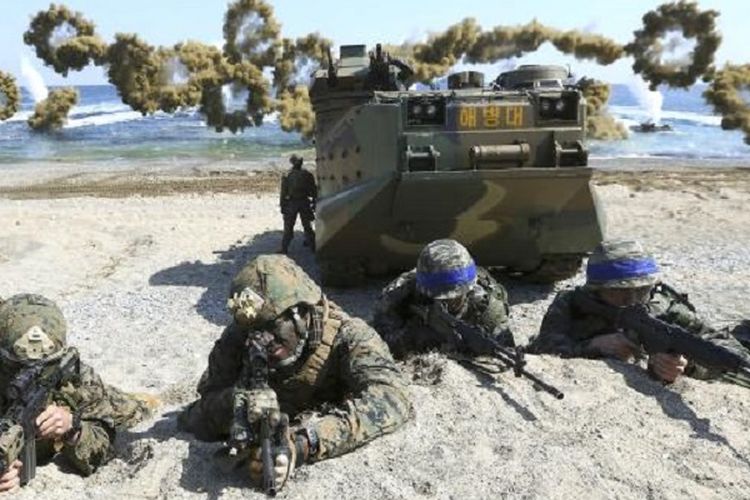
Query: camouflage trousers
{"x": 210, "y": 417}
{"x": 292, "y": 209}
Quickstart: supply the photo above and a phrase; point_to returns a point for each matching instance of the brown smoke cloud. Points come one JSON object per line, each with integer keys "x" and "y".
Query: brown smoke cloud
{"x": 133, "y": 67}
{"x": 467, "y": 41}
{"x": 599, "y": 123}
{"x": 648, "y": 50}
{"x": 724, "y": 94}
{"x": 235, "y": 79}
{"x": 251, "y": 33}
{"x": 52, "y": 113}
{"x": 296, "y": 112}
{"x": 78, "y": 44}
{"x": 297, "y": 56}
{"x": 290, "y": 72}
{"x": 165, "y": 79}
{"x": 191, "y": 74}
{"x": 10, "y": 96}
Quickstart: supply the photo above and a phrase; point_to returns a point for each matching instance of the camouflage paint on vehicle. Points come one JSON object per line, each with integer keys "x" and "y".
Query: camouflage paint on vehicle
{"x": 502, "y": 169}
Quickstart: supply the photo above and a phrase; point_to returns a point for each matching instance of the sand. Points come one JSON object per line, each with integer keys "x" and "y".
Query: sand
{"x": 140, "y": 264}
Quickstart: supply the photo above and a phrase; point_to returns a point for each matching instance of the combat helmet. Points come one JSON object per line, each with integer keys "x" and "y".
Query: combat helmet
{"x": 267, "y": 286}
{"x": 295, "y": 160}
{"x": 32, "y": 328}
{"x": 620, "y": 264}
{"x": 445, "y": 270}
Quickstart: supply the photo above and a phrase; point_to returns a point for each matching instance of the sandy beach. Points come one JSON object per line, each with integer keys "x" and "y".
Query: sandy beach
{"x": 141, "y": 262}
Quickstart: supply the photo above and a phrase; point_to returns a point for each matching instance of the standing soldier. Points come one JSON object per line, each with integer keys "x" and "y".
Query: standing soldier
{"x": 330, "y": 373}
{"x": 445, "y": 275}
{"x": 79, "y": 417}
{"x": 621, "y": 275}
{"x": 297, "y": 197}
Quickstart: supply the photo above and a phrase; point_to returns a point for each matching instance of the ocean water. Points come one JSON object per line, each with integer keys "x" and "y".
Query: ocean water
{"x": 102, "y": 130}
{"x": 696, "y": 134}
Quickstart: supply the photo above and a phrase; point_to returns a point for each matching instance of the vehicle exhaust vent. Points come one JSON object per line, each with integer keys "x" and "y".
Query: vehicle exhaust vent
{"x": 466, "y": 80}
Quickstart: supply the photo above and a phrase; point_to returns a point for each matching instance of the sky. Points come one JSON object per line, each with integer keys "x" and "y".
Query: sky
{"x": 166, "y": 22}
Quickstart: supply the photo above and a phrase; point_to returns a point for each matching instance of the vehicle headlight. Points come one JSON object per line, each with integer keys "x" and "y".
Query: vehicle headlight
{"x": 425, "y": 111}
{"x": 561, "y": 107}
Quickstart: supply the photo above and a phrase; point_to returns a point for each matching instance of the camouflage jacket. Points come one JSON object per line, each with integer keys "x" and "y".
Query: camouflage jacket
{"x": 297, "y": 184}
{"x": 742, "y": 332}
{"x": 567, "y": 331}
{"x": 355, "y": 395}
{"x": 487, "y": 308}
{"x": 101, "y": 410}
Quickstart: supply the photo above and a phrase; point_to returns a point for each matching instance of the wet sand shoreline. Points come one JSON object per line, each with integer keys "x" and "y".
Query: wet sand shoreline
{"x": 141, "y": 182}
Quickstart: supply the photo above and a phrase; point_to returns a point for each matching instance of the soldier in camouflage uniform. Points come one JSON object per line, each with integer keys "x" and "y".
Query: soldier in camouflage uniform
{"x": 329, "y": 372}
{"x": 297, "y": 196}
{"x": 620, "y": 273}
{"x": 79, "y": 421}
{"x": 445, "y": 274}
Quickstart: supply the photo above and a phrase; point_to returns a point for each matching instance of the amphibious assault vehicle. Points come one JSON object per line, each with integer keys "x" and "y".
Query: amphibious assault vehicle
{"x": 500, "y": 168}
{"x": 649, "y": 126}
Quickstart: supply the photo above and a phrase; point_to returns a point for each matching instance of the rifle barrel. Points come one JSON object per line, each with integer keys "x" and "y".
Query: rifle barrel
{"x": 28, "y": 458}
{"x": 269, "y": 477}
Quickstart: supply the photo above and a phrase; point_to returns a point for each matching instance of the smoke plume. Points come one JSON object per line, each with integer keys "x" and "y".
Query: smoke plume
{"x": 10, "y": 96}
{"x": 52, "y": 113}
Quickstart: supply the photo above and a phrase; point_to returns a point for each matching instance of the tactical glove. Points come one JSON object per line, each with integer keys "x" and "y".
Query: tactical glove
{"x": 283, "y": 454}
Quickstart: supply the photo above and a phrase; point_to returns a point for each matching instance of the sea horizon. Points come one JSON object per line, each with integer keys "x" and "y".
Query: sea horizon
{"x": 103, "y": 130}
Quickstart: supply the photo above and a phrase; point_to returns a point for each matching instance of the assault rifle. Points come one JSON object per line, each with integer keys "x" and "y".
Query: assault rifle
{"x": 659, "y": 336}
{"x": 478, "y": 342}
{"x": 244, "y": 433}
{"x": 26, "y": 397}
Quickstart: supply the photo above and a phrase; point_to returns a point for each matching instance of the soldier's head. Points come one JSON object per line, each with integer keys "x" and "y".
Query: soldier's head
{"x": 32, "y": 329}
{"x": 296, "y": 161}
{"x": 273, "y": 297}
{"x": 446, "y": 272}
{"x": 621, "y": 272}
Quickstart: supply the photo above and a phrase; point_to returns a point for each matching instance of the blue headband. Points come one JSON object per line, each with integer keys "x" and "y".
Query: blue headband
{"x": 621, "y": 269}
{"x": 445, "y": 279}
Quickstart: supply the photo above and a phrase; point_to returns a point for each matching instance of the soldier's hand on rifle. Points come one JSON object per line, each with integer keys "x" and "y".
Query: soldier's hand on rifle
{"x": 54, "y": 422}
{"x": 667, "y": 367}
{"x": 615, "y": 345}
{"x": 11, "y": 480}
{"x": 283, "y": 451}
